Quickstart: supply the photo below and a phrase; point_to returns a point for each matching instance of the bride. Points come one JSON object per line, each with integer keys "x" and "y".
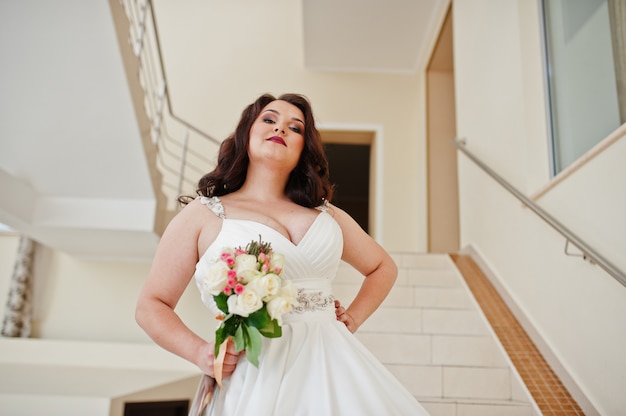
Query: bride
{"x": 271, "y": 180}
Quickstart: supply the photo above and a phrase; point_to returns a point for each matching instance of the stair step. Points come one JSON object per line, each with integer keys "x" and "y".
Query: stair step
{"x": 439, "y": 407}
{"x": 431, "y": 334}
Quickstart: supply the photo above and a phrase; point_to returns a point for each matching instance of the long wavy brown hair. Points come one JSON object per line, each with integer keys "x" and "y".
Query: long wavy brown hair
{"x": 308, "y": 184}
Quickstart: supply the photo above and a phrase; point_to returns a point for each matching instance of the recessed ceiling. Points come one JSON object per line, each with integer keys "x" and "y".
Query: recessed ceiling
{"x": 368, "y": 35}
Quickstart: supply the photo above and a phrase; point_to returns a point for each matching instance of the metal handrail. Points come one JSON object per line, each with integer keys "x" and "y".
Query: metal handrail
{"x": 588, "y": 253}
{"x": 177, "y": 142}
{"x": 157, "y": 40}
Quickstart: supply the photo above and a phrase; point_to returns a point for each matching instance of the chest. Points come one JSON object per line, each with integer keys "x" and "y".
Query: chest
{"x": 290, "y": 220}
{"x": 292, "y": 225}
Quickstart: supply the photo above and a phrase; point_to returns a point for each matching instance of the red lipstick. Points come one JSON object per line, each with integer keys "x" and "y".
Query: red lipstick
{"x": 277, "y": 139}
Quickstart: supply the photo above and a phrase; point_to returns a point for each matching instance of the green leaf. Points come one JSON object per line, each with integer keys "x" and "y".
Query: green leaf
{"x": 220, "y": 337}
{"x": 221, "y": 301}
{"x": 240, "y": 342}
{"x": 275, "y": 332}
{"x": 231, "y": 323}
{"x": 262, "y": 321}
{"x": 227, "y": 328}
{"x": 259, "y": 319}
{"x": 253, "y": 345}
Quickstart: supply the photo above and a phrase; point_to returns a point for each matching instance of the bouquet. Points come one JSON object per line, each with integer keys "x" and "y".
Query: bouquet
{"x": 248, "y": 289}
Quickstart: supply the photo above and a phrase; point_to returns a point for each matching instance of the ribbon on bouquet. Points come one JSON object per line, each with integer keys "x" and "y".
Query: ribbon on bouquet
{"x": 218, "y": 363}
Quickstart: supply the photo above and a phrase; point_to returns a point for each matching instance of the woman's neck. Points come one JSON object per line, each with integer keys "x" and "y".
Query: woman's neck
{"x": 264, "y": 184}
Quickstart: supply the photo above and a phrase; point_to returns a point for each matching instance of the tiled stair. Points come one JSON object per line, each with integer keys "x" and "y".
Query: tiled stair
{"x": 432, "y": 335}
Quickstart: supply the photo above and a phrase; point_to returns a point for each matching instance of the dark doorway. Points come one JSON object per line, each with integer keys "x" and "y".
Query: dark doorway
{"x": 350, "y": 172}
{"x": 166, "y": 408}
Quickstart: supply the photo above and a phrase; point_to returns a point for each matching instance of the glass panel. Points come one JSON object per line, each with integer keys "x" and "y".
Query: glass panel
{"x": 581, "y": 77}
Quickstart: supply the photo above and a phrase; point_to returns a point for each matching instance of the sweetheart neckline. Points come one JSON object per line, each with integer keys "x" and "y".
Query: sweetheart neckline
{"x": 274, "y": 230}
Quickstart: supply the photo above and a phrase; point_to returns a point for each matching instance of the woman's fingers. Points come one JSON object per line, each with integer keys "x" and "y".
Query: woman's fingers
{"x": 344, "y": 317}
{"x": 339, "y": 310}
{"x": 230, "y": 359}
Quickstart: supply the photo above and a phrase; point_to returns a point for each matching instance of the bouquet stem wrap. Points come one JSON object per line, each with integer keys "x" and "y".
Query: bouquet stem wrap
{"x": 218, "y": 365}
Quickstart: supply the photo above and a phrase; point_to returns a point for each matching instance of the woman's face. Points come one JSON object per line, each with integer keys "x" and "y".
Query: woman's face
{"x": 277, "y": 134}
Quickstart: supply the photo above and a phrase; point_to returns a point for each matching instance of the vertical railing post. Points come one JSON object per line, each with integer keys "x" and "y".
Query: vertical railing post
{"x": 183, "y": 162}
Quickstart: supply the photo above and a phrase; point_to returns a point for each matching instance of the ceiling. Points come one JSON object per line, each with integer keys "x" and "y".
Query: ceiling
{"x": 390, "y": 36}
{"x": 72, "y": 168}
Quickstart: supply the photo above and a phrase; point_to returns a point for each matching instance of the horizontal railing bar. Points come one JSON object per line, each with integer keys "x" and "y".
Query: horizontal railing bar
{"x": 587, "y": 251}
{"x": 180, "y": 162}
{"x": 157, "y": 41}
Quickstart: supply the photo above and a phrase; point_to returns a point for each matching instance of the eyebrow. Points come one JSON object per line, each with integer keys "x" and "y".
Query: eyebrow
{"x": 277, "y": 113}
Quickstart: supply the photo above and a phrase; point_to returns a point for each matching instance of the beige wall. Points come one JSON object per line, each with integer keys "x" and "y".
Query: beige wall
{"x": 573, "y": 309}
{"x": 77, "y": 378}
{"x": 95, "y": 301}
{"x": 89, "y": 300}
{"x": 443, "y": 216}
{"x": 275, "y": 64}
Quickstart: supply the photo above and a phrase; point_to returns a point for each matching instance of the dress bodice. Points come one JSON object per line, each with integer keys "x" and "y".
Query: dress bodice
{"x": 310, "y": 264}
{"x": 316, "y": 367}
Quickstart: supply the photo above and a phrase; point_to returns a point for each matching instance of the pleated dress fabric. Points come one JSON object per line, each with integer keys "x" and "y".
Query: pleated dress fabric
{"x": 317, "y": 367}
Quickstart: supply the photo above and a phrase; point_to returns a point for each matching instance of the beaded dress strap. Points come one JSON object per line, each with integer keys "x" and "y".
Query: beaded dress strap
{"x": 214, "y": 204}
{"x": 323, "y": 207}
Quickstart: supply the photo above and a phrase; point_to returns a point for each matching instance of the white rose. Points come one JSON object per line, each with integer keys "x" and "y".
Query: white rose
{"x": 215, "y": 278}
{"x": 243, "y": 305}
{"x": 247, "y": 267}
{"x": 289, "y": 291}
{"x": 266, "y": 286}
{"x": 277, "y": 262}
{"x": 277, "y": 307}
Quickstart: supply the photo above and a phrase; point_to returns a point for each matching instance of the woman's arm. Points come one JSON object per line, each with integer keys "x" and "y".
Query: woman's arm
{"x": 172, "y": 269}
{"x": 369, "y": 258}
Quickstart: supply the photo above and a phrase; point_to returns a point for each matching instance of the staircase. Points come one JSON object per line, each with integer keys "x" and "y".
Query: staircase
{"x": 431, "y": 334}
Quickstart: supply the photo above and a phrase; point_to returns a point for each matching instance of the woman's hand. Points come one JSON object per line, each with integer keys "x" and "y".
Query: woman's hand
{"x": 344, "y": 316}
{"x": 207, "y": 362}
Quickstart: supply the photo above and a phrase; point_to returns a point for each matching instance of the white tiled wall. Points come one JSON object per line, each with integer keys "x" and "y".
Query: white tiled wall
{"x": 431, "y": 335}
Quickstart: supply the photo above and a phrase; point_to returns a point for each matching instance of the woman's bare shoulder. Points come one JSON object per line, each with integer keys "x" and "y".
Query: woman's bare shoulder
{"x": 196, "y": 212}
{"x": 337, "y": 213}
{"x": 209, "y": 221}
{"x": 195, "y": 220}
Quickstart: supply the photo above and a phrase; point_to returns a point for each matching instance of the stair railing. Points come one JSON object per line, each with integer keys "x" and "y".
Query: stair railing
{"x": 588, "y": 253}
{"x": 183, "y": 152}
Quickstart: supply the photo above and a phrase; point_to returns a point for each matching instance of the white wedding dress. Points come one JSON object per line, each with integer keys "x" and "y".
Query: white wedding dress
{"x": 317, "y": 367}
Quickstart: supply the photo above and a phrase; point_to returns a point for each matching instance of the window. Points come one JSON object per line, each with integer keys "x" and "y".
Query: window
{"x": 581, "y": 75}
